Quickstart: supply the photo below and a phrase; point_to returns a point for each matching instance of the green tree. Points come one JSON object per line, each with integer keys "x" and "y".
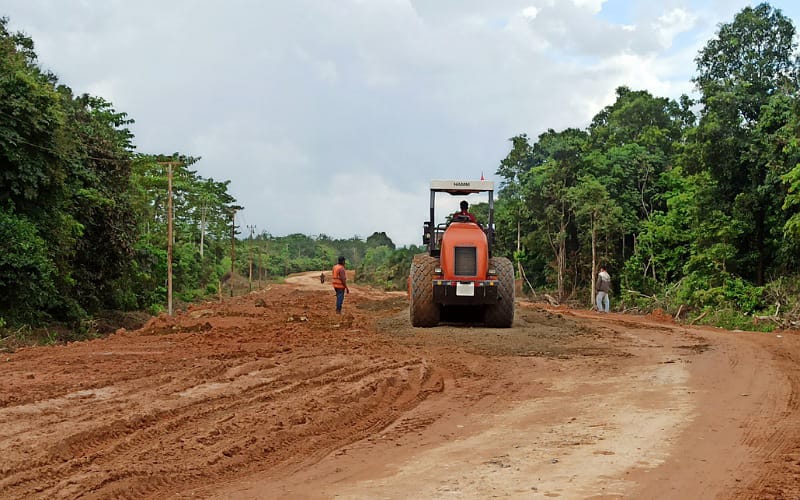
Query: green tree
{"x": 749, "y": 64}
{"x": 378, "y": 239}
{"x": 633, "y": 142}
{"x": 26, "y": 272}
{"x": 788, "y": 140}
{"x": 101, "y": 199}
{"x": 511, "y": 210}
{"x": 64, "y": 167}
{"x": 597, "y": 214}
{"x": 202, "y": 210}
{"x": 558, "y": 159}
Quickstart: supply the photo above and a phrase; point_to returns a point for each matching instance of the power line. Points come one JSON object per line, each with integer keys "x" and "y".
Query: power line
{"x": 50, "y": 150}
{"x": 44, "y": 148}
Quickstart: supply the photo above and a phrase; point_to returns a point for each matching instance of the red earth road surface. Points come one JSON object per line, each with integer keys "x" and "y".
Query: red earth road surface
{"x": 271, "y": 395}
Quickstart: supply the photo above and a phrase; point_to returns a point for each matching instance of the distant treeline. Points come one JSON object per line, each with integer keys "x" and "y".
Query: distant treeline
{"x": 376, "y": 260}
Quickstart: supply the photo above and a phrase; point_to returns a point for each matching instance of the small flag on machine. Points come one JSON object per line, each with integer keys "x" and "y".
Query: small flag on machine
{"x": 482, "y": 176}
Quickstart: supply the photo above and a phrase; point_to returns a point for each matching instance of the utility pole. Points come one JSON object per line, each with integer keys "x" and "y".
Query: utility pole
{"x": 233, "y": 244}
{"x": 202, "y": 228}
{"x": 233, "y": 210}
{"x": 250, "y": 254}
{"x": 262, "y": 263}
{"x": 170, "y": 237}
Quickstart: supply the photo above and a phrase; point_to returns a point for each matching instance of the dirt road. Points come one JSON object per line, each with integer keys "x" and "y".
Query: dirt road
{"x": 272, "y": 395}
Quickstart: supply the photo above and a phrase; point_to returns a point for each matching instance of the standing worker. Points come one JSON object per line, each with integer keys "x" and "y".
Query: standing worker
{"x": 340, "y": 284}
{"x": 603, "y": 288}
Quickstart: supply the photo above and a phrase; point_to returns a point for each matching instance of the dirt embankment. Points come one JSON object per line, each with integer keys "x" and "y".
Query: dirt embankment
{"x": 272, "y": 395}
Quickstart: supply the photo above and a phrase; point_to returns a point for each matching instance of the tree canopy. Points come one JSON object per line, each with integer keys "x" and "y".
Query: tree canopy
{"x": 694, "y": 202}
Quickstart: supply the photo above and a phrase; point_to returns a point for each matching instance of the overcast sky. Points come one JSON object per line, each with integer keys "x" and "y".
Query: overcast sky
{"x": 332, "y": 116}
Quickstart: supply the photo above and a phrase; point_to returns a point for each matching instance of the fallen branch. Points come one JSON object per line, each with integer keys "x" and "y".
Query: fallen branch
{"x": 774, "y": 319}
{"x": 678, "y": 314}
{"x": 553, "y": 302}
{"x": 528, "y": 282}
{"x": 698, "y": 318}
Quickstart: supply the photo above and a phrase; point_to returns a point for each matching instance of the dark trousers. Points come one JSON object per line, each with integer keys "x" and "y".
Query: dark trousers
{"x": 339, "y": 299}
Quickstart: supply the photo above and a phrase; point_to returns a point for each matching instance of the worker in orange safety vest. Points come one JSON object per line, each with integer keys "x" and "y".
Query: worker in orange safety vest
{"x": 340, "y": 284}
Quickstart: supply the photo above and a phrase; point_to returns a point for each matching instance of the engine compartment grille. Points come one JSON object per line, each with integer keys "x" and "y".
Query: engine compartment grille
{"x": 466, "y": 261}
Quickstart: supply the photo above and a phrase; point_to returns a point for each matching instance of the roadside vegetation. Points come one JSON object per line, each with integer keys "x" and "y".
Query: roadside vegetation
{"x": 694, "y": 206}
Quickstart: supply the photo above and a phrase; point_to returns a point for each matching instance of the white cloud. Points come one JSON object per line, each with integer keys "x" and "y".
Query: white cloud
{"x": 593, "y": 6}
{"x": 356, "y": 203}
{"x": 530, "y": 12}
{"x": 324, "y": 69}
{"x": 673, "y": 23}
{"x": 105, "y": 88}
{"x": 323, "y": 114}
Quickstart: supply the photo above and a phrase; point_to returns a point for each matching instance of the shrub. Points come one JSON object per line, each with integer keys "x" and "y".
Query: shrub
{"x": 732, "y": 319}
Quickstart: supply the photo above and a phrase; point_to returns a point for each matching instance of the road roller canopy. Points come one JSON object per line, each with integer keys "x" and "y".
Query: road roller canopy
{"x": 461, "y": 187}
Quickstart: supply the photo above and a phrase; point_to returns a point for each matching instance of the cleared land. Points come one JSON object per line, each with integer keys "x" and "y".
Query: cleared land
{"x": 272, "y": 395}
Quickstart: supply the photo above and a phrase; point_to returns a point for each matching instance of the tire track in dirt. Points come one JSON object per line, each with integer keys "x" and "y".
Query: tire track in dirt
{"x": 781, "y": 451}
{"x": 130, "y": 438}
{"x": 230, "y": 399}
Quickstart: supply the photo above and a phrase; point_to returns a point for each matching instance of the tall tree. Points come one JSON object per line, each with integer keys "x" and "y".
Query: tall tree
{"x": 102, "y": 205}
{"x": 633, "y": 142}
{"x": 749, "y": 62}
{"x": 596, "y": 213}
{"x": 512, "y": 168}
{"x": 557, "y": 158}
{"x": 202, "y": 218}
{"x": 378, "y": 239}
{"x": 788, "y": 141}
{"x": 64, "y": 168}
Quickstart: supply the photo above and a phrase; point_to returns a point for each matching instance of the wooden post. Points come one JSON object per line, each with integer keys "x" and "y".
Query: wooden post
{"x": 169, "y": 238}
{"x": 170, "y": 235}
{"x": 593, "y": 291}
{"x": 233, "y": 244}
{"x": 250, "y": 255}
{"x": 202, "y": 229}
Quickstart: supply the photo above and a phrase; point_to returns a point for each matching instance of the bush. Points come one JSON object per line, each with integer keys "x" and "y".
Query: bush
{"x": 727, "y": 301}
{"x": 748, "y": 297}
{"x": 784, "y": 291}
{"x": 721, "y": 291}
{"x": 637, "y": 302}
{"x": 732, "y": 319}
{"x": 26, "y": 272}
{"x": 155, "y": 309}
